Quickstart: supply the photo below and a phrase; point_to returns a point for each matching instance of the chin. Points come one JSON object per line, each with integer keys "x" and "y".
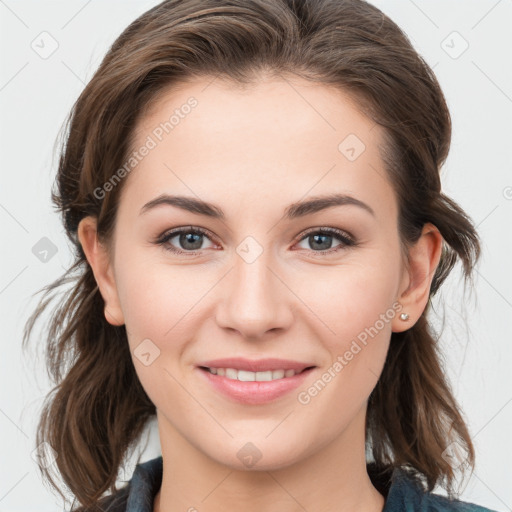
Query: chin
{"x": 257, "y": 456}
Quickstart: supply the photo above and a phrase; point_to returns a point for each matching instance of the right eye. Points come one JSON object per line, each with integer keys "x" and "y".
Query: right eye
{"x": 190, "y": 238}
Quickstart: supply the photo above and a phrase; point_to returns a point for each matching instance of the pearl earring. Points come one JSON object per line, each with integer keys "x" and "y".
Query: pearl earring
{"x": 404, "y": 317}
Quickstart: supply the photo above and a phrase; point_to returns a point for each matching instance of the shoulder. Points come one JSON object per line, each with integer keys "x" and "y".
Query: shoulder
{"x": 139, "y": 492}
{"x": 407, "y": 495}
{"x": 116, "y": 502}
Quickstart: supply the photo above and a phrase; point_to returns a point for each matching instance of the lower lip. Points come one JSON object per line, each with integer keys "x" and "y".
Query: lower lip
{"x": 253, "y": 392}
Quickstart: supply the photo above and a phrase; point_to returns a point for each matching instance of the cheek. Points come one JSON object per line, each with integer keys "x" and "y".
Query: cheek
{"x": 354, "y": 303}
{"x": 155, "y": 296}
{"x": 156, "y": 301}
{"x": 358, "y": 317}
{"x": 351, "y": 296}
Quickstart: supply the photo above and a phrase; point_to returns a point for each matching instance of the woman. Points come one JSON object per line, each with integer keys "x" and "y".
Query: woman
{"x": 296, "y": 147}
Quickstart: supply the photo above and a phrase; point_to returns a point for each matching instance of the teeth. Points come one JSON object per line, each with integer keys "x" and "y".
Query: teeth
{"x": 246, "y": 376}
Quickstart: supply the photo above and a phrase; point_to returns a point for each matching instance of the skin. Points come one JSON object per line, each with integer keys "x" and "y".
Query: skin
{"x": 253, "y": 152}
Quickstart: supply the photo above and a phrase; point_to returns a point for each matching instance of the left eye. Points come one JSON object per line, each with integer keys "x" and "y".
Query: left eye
{"x": 322, "y": 239}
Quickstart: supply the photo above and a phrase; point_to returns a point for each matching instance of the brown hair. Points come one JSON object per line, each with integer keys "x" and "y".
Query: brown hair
{"x": 97, "y": 410}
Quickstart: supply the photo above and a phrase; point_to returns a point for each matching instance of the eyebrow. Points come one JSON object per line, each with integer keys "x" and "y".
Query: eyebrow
{"x": 293, "y": 211}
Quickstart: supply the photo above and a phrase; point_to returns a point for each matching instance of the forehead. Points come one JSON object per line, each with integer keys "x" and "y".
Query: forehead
{"x": 275, "y": 139}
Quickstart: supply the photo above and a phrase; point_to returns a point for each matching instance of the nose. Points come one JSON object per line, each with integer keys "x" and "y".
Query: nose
{"x": 256, "y": 299}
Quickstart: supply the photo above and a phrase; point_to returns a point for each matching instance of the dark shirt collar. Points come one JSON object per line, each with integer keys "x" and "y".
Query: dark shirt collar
{"x": 403, "y": 493}
{"x": 145, "y": 484}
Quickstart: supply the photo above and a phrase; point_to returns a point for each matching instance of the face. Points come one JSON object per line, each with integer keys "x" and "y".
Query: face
{"x": 254, "y": 277}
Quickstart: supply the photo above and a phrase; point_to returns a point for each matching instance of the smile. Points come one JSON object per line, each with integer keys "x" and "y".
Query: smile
{"x": 248, "y": 376}
{"x": 253, "y": 388}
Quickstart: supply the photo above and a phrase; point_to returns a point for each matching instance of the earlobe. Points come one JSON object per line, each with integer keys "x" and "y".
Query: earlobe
{"x": 99, "y": 260}
{"x": 424, "y": 258}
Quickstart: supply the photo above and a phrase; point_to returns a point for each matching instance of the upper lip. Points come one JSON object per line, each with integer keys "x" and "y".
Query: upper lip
{"x": 258, "y": 365}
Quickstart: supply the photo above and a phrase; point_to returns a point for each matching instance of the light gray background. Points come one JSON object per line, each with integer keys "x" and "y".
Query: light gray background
{"x": 36, "y": 94}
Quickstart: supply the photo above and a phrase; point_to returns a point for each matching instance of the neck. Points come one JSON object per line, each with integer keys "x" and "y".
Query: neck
{"x": 333, "y": 477}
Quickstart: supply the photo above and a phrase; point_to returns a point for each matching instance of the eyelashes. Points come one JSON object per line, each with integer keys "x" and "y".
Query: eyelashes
{"x": 312, "y": 236}
{"x": 346, "y": 239}
{"x": 164, "y": 240}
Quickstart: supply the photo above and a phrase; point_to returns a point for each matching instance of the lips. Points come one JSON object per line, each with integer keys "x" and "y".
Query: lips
{"x": 259, "y": 365}
{"x": 253, "y": 392}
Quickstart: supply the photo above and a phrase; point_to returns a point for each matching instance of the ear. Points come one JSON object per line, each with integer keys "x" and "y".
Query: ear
{"x": 424, "y": 257}
{"x": 99, "y": 260}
